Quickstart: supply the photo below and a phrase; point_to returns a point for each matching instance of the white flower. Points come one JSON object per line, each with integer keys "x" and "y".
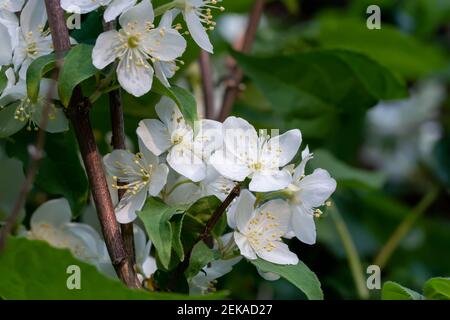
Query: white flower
{"x": 247, "y": 155}
{"x": 309, "y": 192}
{"x": 9, "y": 25}
{"x": 202, "y": 283}
{"x": 188, "y": 150}
{"x": 33, "y": 40}
{"x": 146, "y": 264}
{"x": 140, "y": 175}
{"x": 259, "y": 230}
{"x": 196, "y": 13}
{"x": 183, "y": 191}
{"x": 134, "y": 45}
{"x": 113, "y": 7}
{"x": 11, "y": 5}
{"x": 17, "y": 110}
{"x": 51, "y": 222}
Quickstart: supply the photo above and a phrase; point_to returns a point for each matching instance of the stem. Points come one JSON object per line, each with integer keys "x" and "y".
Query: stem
{"x": 236, "y": 74}
{"x": 165, "y": 7}
{"x": 403, "y": 228}
{"x": 205, "y": 234}
{"x": 118, "y": 143}
{"x": 78, "y": 113}
{"x": 354, "y": 260}
{"x": 207, "y": 83}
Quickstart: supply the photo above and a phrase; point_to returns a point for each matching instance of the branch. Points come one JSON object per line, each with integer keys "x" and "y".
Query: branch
{"x": 236, "y": 74}
{"x": 78, "y": 113}
{"x": 118, "y": 143}
{"x": 207, "y": 83}
{"x": 204, "y": 235}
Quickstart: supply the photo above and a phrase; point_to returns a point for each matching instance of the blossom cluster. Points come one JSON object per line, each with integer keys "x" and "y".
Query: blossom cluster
{"x": 178, "y": 161}
{"x": 181, "y": 164}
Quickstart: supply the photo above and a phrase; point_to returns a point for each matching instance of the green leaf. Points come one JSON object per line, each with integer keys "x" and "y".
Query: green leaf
{"x": 389, "y": 46}
{"x": 60, "y": 171}
{"x": 77, "y": 68}
{"x": 394, "y": 291}
{"x": 37, "y": 271}
{"x": 329, "y": 96}
{"x": 183, "y": 98}
{"x": 156, "y": 217}
{"x": 196, "y": 218}
{"x": 12, "y": 172}
{"x": 9, "y": 125}
{"x": 201, "y": 255}
{"x": 437, "y": 289}
{"x": 177, "y": 226}
{"x": 37, "y": 69}
{"x": 342, "y": 172}
{"x": 299, "y": 275}
{"x": 3, "y": 79}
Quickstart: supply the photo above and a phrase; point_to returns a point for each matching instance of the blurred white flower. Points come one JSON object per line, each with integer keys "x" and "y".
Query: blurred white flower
{"x": 134, "y": 45}
{"x": 51, "y": 222}
{"x": 18, "y": 111}
{"x": 140, "y": 175}
{"x": 259, "y": 157}
{"x": 113, "y": 7}
{"x": 259, "y": 231}
{"x": 308, "y": 193}
{"x": 188, "y": 150}
{"x": 146, "y": 264}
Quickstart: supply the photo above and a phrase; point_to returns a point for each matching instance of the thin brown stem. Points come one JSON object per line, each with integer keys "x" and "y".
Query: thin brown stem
{"x": 78, "y": 113}
{"x": 236, "y": 75}
{"x": 207, "y": 83}
{"x": 118, "y": 143}
{"x": 205, "y": 234}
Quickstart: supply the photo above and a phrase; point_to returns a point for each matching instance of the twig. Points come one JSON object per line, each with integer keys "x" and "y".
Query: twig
{"x": 78, "y": 113}
{"x": 354, "y": 260}
{"x": 118, "y": 143}
{"x": 204, "y": 234}
{"x": 402, "y": 230}
{"x": 207, "y": 83}
{"x": 236, "y": 74}
{"x": 36, "y": 154}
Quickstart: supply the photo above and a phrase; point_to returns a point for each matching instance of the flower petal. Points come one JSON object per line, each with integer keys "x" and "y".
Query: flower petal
{"x": 129, "y": 204}
{"x": 244, "y": 246}
{"x": 33, "y": 16}
{"x": 154, "y": 135}
{"x": 139, "y": 15}
{"x": 116, "y": 7}
{"x": 197, "y": 30}
{"x": 270, "y": 181}
{"x": 158, "y": 179}
{"x": 303, "y": 225}
{"x": 279, "y": 254}
{"x": 54, "y": 212}
{"x": 164, "y": 44}
{"x": 135, "y": 79}
{"x": 227, "y": 165}
{"x": 104, "y": 52}
{"x": 316, "y": 188}
{"x": 283, "y": 147}
{"x": 241, "y": 211}
{"x": 183, "y": 160}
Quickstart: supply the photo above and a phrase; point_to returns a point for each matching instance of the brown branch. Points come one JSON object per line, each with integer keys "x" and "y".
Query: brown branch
{"x": 118, "y": 143}
{"x": 78, "y": 113}
{"x": 207, "y": 83}
{"x": 236, "y": 74}
{"x": 204, "y": 235}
